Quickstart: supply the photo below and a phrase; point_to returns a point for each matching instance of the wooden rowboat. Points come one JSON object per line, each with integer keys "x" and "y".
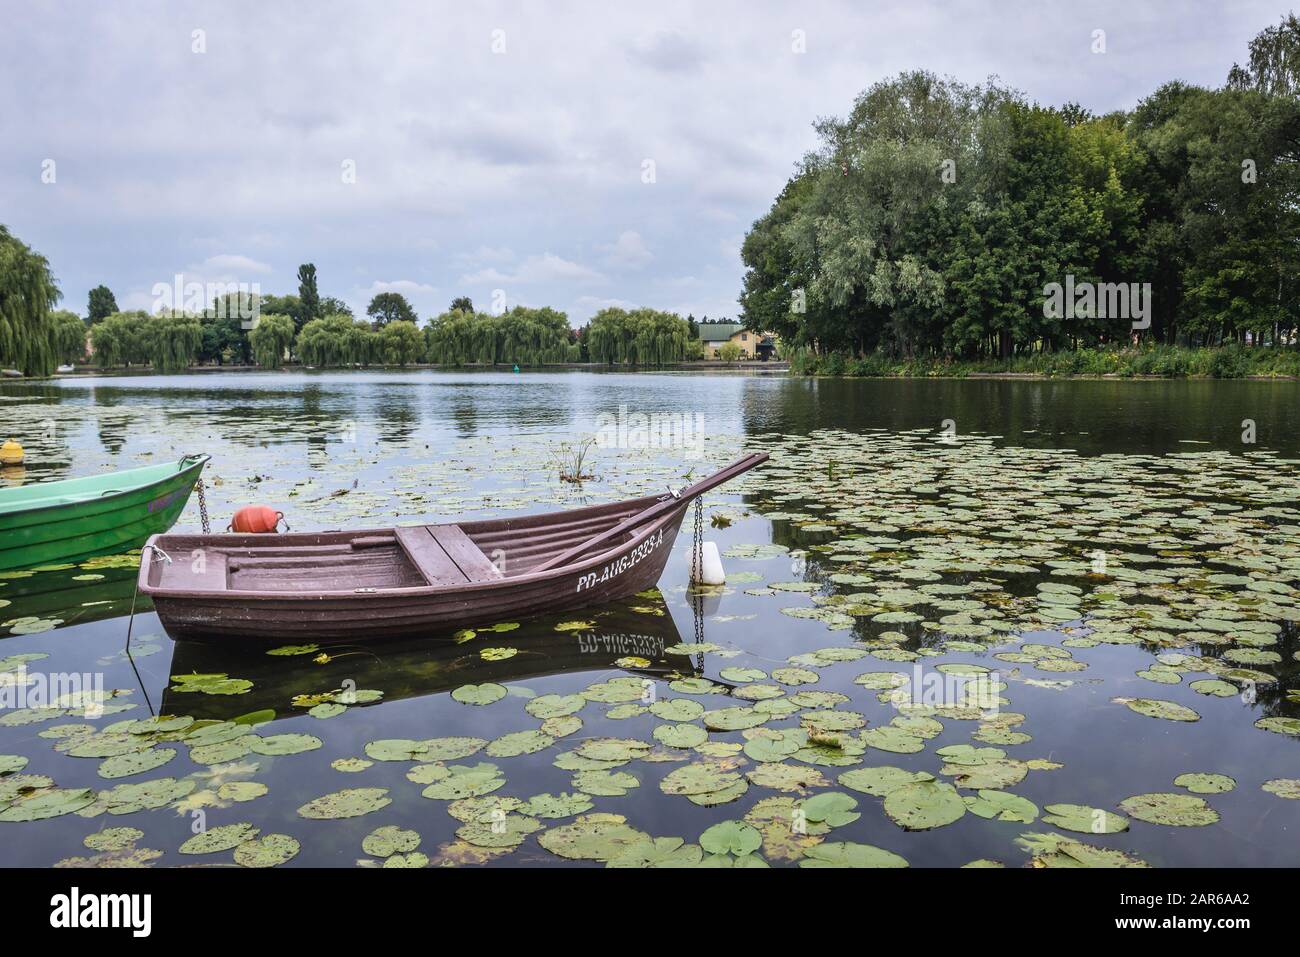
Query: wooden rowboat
{"x": 414, "y": 580}
{"x": 56, "y": 522}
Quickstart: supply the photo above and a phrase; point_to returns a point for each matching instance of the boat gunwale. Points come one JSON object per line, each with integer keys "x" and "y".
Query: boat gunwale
{"x": 528, "y": 578}
{"x": 198, "y": 462}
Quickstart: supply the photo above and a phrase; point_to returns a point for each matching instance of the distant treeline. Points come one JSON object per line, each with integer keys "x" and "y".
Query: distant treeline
{"x": 310, "y": 329}
{"x": 174, "y": 341}
{"x": 934, "y": 219}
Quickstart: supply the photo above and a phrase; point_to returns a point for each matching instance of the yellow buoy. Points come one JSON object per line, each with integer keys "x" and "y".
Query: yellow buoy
{"x": 11, "y": 453}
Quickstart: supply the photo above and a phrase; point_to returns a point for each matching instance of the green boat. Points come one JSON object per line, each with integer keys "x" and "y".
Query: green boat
{"x": 52, "y": 522}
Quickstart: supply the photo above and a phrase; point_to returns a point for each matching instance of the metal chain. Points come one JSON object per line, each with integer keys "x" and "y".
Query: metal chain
{"x": 203, "y": 507}
{"x": 697, "y": 572}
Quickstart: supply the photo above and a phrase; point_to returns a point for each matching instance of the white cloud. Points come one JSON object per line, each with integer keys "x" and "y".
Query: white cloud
{"x": 629, "y": 251}
{"x": 464, "y": 156}
{"x": 587, "y": 306}
{"x": 420, "y": 295}
{"x": 485, "y": 255}
{"x": 668, "y": 51}
{"x": 217, "y": 275}
{"x": 407, "y": 287}
{"x": 546, "y": 268}
{"x": 232, "y": 264}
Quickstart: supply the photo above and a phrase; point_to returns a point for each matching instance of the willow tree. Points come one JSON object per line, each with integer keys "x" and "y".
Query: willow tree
{"x": 400, "y": 342}
{"x": 520, "y": 336}
{"x": 335, "y": 340}
{"x": 27, "y": 292}
{"x": 173, "y": 341}
{"x": 638, "y": 337}
{"x": 69, "y": 336}
{"x": 270, "y": 338}
{"x": 120, "y": 339}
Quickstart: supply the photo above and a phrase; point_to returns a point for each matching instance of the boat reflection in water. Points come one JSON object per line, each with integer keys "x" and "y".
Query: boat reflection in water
{"x": 624, "y": 637}
{"x": 73, "y": 594}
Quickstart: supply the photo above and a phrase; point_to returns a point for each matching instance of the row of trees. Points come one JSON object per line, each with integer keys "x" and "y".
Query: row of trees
{"x": 169, "y": 343}
{"x": 932, "y": 219}
{"x": 173, "y": 342}
{"x": 316, "y": 331}
{"x": 639, "y": 336}
{"x": 520, "y": 335}
{"x": 526, "y": 336}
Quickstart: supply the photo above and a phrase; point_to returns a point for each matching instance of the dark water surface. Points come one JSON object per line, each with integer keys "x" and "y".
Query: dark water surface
{"x": 374, "y": 449}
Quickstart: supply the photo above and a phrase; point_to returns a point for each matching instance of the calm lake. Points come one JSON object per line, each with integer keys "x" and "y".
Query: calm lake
{"x": 965, "y": 621}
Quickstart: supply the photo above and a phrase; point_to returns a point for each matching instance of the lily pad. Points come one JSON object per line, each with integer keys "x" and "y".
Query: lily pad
{"x": 592, "y": 837}
{"x": 221, "y": 838}
{"x": 1084, "y": 819}
{"x": 923, "y": 805}
{"x": 1168, "y": 710}
{"x": 349, "y": 802}
{"x": 1200, "y": 783}
{"x": 847, "y": 854}
{"x": 464, "y": 781}
{"x": 124, "y": 765}
{"x": 483, "y": 694}
{"x": 881, "y": 780}
{"x": 657, "y": 852}
{"x": 680, "y": 735}
{"x": 1283, "y": 788}
{"x": 270, "y": 850}
{"x": 1175, "y": 810}
{"x": 285, "y": 744}
{"x": 731, "y": 837}
{"x": 1002, "y": 806}
{"x": 389, "y": 840}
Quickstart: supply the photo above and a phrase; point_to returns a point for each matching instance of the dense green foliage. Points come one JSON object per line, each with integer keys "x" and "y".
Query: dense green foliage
{"x": 100, "y": 305}
{"x": 168, "y": 342}
{"x": 270, "y": 339}
{"x": 1221, "y": 362}
{"x": 520, "y": 336}
{"x": 400, "y": 342}
{"x": 173, "y": 341}
{"x": 28, "y": 341}
{"x": 336, "y": 340}
{"x": 730, "y": 352}
{"x": 69, "y": 336}
{"x": 933, "y": 219}
{"x": 639, "y": 336}
{"x": 225, "y": 338}
{"x": 309, "y": 304}
{"x": 389, "y": 307}
{"x": 119, "y": 340}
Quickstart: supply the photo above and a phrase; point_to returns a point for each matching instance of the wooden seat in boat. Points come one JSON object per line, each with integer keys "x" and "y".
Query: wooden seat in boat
{"x": 445, "y": 555}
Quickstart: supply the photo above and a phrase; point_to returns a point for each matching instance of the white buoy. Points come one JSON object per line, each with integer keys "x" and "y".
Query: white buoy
{"x": 706, "y": 565}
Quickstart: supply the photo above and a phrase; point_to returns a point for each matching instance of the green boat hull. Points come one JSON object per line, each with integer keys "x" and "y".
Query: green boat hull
{"x": 54, "y": 522}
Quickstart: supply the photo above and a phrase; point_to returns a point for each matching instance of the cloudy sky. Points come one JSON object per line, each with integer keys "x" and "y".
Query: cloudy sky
{"x": 494, "y": 146}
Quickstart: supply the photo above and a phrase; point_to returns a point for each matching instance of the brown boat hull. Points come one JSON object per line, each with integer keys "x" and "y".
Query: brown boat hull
{"x": 387, "y": 613}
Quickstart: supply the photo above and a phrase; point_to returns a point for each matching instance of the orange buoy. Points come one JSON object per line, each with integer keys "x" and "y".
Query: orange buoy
{"x": 256, "y": 519}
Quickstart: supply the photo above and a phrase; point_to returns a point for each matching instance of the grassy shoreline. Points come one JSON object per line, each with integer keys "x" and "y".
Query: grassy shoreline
{"x": 1150, "y": 362}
